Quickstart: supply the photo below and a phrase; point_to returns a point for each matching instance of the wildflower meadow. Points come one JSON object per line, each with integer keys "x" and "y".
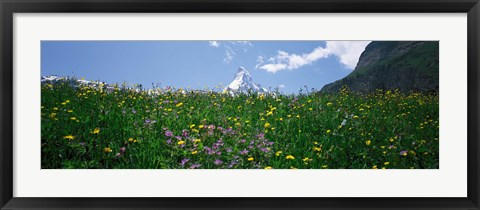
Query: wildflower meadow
{"x": 85, "y": 127}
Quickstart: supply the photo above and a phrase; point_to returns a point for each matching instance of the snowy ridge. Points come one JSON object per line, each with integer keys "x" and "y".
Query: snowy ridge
{"x": 243, "y": 82}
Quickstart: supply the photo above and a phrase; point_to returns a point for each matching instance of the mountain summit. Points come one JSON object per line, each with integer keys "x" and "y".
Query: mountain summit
{"x": 243, "y": 82}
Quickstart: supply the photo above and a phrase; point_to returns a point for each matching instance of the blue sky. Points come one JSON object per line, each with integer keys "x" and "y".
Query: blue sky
{"x": 287, "y": 65}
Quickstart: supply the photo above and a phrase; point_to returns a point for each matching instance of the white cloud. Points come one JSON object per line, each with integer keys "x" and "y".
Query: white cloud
{"x": 229, "y": 53}
{"x": 348, "y": 53}
{"x": 246, "y": 43}
{"x": 260, "y": 61}
{"x": 274, "y": 67}
{"x": 231, "y": 48}
{"x": 280, "y": 86}
{"x": 214, "y": 44}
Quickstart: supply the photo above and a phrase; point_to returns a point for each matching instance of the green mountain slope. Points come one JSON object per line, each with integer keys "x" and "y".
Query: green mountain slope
{"x": 390, "y": 65}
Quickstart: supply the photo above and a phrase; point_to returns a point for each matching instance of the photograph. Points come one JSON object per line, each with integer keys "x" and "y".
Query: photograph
{"x": 239, "y": 104}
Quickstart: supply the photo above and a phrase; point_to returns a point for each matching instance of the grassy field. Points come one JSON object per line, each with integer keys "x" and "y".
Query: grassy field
{"x": 93, "y": 128}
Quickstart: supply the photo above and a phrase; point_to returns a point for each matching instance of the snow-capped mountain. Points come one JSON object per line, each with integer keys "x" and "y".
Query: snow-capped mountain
{"x": 50, "y": 78}
{"x": 55, "y": 78}
{"x": 243, "y": 82}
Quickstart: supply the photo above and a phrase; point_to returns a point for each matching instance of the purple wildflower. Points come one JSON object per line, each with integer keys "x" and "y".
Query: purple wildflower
{"x": 185, "y": 133}
{"x": 184, "y": 161}
{"x": 122, "y": 150}
{"x": 260, "y": 136}
{"x": 149, "y": 122}
{"x": 218, "y": 162}
{"x": 403, "y": 153}
{"x": 194, "y": 166}
{"x": 208, "y": 150}
{"x": 234, "y": 162}
{"x": 168, "y": 133}
{"x": 244, "y": 152}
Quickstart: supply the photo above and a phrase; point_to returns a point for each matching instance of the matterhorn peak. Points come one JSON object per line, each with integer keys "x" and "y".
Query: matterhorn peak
{"x": 243, "y": 82}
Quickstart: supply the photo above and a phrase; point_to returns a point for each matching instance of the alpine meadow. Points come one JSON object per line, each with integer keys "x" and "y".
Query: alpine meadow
{"x": 290, "y": 105}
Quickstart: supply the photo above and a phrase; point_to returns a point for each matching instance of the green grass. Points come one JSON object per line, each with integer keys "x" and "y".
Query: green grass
{"x": 88, "y": 127}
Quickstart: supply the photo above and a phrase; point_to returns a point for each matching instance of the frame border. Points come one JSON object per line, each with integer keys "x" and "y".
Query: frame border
{"x": 9, "y": 7}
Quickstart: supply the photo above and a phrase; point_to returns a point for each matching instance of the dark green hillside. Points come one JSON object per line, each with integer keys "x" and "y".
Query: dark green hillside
{"x": 403, "y": 65}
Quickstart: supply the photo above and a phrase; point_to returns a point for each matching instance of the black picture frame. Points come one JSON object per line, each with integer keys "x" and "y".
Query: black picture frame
{"x": 9, "y": 7}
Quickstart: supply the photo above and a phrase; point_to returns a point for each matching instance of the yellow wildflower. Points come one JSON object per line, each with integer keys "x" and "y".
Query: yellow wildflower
{"x": 130, "y": 140}
{"x": 180, "y": 142}
{"x": 267, "y": 125}
{"x": 96, "y": 131}
{"x": 250, "y": 159}
{"x": 290, "y": 157}
{"x": 69, "y": 137}
{"x": 179, "y": 104}
{"x": 368, "y": 142}
{"x": 278, "y": 153}
{"x": 107, "y": 149}
{"x": 268, "y": 167}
